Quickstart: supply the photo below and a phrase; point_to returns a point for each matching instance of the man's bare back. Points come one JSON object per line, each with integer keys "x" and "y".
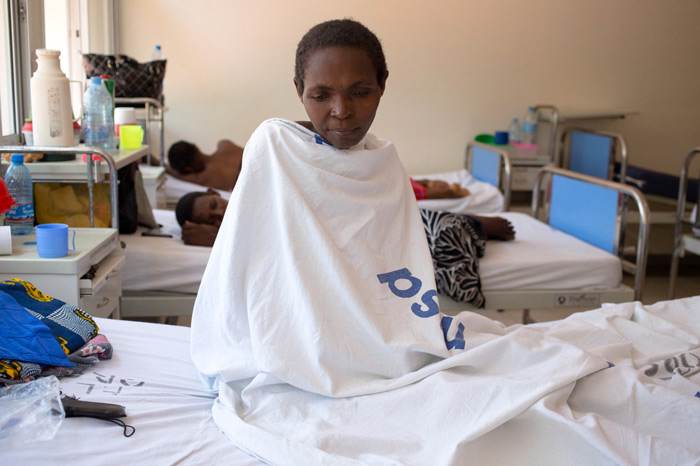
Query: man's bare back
{"x": 219, "y": 170}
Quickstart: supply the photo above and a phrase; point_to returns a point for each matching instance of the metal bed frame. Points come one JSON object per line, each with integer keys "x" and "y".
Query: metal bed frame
{"x": 591, "y": 298}
{"x": 90, "y": 173}
{"x": 498, "y": 173}
{"x": 148, "y": 103}
{"x": 618, "y": 145}
{"x": 683, "y": 242}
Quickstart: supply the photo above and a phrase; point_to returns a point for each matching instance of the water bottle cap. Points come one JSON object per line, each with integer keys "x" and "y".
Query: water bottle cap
{"x": 157, "y": 47}
{"x": 96, "y": 80}
{"x": 515, "y": 120}
{"x": 18, "y": 158}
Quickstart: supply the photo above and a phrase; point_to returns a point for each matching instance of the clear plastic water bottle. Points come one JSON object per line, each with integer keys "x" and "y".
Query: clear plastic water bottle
{"x": 97, "y": 113}
{"x": 529, "y": 135}
{"x": 158, "y": 54}
{"x": 20, "y": 217}
{"x": 514, "y": 131}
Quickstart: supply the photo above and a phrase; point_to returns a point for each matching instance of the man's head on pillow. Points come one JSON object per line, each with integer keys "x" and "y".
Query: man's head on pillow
{"x": 184, "y": 157}
{"x": 205, "y": 207}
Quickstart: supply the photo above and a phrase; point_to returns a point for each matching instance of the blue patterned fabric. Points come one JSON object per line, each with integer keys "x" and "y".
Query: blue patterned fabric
{"x": 23, "y": 337}
{"x": 71, "y": 326}
{"x": 27, "y": 346}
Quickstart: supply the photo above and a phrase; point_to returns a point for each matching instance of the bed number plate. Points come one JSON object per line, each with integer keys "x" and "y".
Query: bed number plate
{"x": 578, "y": 300}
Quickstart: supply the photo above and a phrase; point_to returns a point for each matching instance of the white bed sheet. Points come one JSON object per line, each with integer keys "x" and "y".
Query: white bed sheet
{"x": 539, "y": 258}
{"x": 152, "y": 376}
{"x": 162, "y": 264}
{"x": 176, "y": 188}
{"x": 483, "y": 197}
{"x": 609, "y": 417}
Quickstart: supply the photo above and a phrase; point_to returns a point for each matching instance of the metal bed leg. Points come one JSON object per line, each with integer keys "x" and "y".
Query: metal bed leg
{"x": 527, "y": 319}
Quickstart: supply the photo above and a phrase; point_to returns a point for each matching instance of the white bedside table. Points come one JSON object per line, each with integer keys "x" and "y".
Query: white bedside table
{"x": 60, "y": 278}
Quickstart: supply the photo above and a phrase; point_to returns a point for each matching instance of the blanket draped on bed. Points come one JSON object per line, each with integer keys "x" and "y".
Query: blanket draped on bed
{"x": 318, "y": 323}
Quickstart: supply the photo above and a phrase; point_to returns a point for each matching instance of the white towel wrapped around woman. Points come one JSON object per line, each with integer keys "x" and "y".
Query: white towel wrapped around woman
{"x": 320, "y": 287}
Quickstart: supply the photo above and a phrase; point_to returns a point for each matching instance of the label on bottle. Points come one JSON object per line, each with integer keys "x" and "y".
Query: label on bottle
{"x": 55, "y": 116}
{"x": 20, "y": 212}
{"x": 529, "y": 127}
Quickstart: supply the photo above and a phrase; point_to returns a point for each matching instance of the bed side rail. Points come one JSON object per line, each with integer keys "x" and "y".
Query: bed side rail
{"x": 492, "y": 165}
{"x": 618, "y": 145}
{"x": 681, "y": 219}
{"x": 90, "y": 172}
{"x": 636, "y": 268}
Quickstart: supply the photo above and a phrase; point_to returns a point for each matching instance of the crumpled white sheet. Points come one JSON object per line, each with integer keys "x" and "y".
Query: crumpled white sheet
{"x": 317, "y": 360}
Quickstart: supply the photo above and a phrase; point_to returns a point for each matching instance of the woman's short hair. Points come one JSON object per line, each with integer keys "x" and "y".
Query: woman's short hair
{"x": 339, "y": 32}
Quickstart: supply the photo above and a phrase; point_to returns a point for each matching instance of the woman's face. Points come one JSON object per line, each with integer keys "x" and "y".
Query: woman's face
{"x": 341, "y": 94}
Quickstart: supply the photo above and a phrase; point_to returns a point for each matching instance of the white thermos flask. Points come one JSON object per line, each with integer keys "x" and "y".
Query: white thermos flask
{"x": 52, "y": 115}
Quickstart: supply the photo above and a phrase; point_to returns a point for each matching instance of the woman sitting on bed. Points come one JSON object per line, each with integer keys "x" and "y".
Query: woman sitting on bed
{"x": 320, "y": 284}
{"x": 219, "y": 170}
{"x": 200, "y": 214}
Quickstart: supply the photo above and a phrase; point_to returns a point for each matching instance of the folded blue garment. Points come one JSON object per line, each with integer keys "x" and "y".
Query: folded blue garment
{"x": 25, "y": 338}
{"x": 71, "y": 326}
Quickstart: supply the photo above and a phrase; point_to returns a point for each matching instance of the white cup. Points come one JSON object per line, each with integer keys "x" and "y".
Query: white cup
{"x": 124, "y": 116}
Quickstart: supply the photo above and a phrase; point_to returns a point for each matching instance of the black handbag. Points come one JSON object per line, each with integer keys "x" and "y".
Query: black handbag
{"x": 131, "y": 78}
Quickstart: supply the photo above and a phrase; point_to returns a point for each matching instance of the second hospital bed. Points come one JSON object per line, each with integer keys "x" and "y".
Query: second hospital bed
{"x": 544, "y": 267}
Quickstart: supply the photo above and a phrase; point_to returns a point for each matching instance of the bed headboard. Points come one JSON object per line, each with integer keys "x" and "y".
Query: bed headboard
{"x": 593, "y": 152}
{"x": 594, "y": 210}
{"x": 492, "y": 165}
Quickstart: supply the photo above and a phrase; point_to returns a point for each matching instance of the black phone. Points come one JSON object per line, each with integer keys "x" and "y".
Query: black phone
{"x": 157, "y": 234}
{"x": 77, "y": 408}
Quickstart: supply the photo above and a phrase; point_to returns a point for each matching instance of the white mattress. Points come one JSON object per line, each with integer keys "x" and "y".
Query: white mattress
{"x": 152, "y": 376}
{"x": 175, "y": 189}
{"x": 162, "y": 264}
{"x": 539, "y": 258}
{"x": 608, "y": 417}
{"x": 483, "y": 197}
{"x": 542, "y": 257}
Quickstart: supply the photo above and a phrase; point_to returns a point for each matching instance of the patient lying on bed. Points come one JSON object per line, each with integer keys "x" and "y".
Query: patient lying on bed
{"x": 200, "y": 214}
{"x": 219, "y": 170}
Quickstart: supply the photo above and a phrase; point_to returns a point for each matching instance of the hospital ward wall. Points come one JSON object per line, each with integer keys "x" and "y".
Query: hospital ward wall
{"x": 457, "y": 68}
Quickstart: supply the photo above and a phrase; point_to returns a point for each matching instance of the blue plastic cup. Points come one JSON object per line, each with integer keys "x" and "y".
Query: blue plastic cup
{"x": 52, "y": 240}
{"x": 501, "y": 137}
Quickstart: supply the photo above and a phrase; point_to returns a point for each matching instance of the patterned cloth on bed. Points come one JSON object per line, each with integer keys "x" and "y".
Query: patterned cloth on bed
{"x": 456, "y": 243}
{"x": 40, "y": 331}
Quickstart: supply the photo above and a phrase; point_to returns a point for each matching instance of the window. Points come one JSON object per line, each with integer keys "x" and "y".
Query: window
{"x": 71, "y": 26}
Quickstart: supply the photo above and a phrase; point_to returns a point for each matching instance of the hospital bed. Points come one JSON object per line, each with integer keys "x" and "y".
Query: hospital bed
{"x": 544, "y": 267}
{"x": 486, "y": 174}
{"x": 682, "y": 241}
{"x": 572, "y": 256}
{"x": 594, "y": 152}
{"x": 176, "y": 188}
{"x": 162, "y": 275}
{"x": 152, "y": 376}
